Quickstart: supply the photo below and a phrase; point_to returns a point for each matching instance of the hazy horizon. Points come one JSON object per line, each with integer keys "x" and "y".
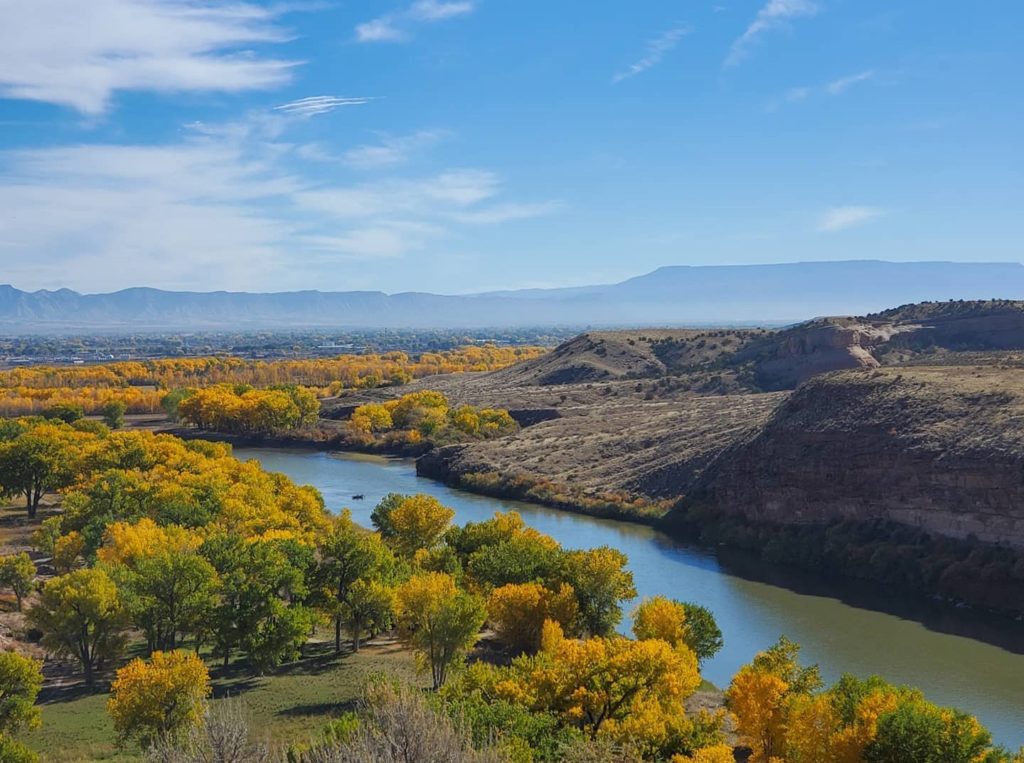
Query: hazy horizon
{"x": 572, "y": 286}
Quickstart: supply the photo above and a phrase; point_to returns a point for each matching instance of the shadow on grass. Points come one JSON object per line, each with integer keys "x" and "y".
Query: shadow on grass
{"x": 239, "y": 676}
{"x": 70, "y": 691}
{"x": 319, "y": 708}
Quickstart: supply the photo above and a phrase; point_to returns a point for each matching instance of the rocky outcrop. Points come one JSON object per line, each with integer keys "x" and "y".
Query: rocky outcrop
{"x": 797, "y": 355}
{"x": 936, "y": 448}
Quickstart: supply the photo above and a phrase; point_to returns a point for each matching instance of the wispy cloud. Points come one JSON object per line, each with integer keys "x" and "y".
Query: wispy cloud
{"x": 392, "y": 150}
{"x": 657, "y": 49}
{"x": 319, "y": 104}
{"x": 774, "y": 14}
{"x": 841, "y": 85}
{"x": 501, "y": 213}
{"x": 841, "y": 218}
{"x": 434, "y": 10}
{"x": 834, "y": 88}
{"x": 58, "y": 52}
{"x": 228, "y": 205}
{"x": 396, "y": 26}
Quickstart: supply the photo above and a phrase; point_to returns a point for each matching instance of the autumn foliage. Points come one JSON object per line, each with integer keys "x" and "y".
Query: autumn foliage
{"x": 428, "y": 415}
{"x": 142, "y": 385}
{"x": 160, "y": 697}
{"x": 175, "y": 544}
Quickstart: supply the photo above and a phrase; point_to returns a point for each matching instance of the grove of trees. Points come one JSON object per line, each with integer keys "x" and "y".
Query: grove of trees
{"x": 191, "y": 555}
{"x": 427, "y": 414}
{"x": 141, "y": 386}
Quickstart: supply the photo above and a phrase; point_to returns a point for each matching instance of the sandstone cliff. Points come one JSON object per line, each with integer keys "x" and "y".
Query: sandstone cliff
{"x": 936, "y": 448}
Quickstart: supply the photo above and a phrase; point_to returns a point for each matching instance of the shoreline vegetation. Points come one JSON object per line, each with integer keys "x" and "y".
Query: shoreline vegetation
{"x": 171, "y": 565}
{"x": 908, "y": 561}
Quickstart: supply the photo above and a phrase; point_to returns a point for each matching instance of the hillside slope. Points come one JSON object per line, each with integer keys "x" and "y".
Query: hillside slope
{"x": 936, "y": 448}
{"x": 649, "y": 449}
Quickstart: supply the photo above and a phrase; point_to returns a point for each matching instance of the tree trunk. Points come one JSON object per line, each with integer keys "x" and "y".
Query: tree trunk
{"x": 337, "y": 635}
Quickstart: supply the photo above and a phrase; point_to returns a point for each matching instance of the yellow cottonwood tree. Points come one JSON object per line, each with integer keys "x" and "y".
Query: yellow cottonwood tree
{"x": 660, "y": 617}
{"x": 596, "y": 684}
{"x": 758, "y": 700}
{"x": 719, "y": 753}
{"x": 150, "y": 700}
{"x": 518, "y": 611}
{"x": 127, "y": 542}
{"x": 418, "y": 521}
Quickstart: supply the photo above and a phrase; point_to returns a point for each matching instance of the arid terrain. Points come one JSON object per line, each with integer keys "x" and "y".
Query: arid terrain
{"x": 911, "y": 415}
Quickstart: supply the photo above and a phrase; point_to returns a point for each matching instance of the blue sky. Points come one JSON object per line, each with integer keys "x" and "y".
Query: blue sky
{"x": 467, "y": 145}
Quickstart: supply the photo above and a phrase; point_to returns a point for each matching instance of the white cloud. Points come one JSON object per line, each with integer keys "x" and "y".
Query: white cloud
{"x": 79, "y": 55}
{"x": 656, "y": 50}
{"x": 226, "y": 206}
{"x": 319, "y": 104}
{"x": 841, "y": 218}
{"x": 433, "y": 10}
{"x": 773, "y": 14}
{"x": 841, "y": 85}
{"x": 391, "y": 150}
{"x": 395, "y": 26}
{"x": 379, "y": 30}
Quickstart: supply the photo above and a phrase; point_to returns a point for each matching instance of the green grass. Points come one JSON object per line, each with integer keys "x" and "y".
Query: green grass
{"x": 290, "y": 705}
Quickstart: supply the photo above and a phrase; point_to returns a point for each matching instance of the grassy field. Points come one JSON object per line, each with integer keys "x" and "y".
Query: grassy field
{"x": 290, "y": 705}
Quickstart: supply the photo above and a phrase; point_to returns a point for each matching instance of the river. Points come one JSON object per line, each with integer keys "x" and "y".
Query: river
{"x": 956, "y": 657}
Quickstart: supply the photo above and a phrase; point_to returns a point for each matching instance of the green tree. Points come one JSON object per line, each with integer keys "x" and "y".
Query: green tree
{"x": 381, "y": 516}
{"x": 702, "y": 633}
{"x": 80, "y": 615}
{"x": 66, "y": 412}
{"x": 40, "y": 460}
{"x": 440, "y": 622}
{"x": 113, "y": 413}
{"x": 170, "y": 595}
{"x": 370, "y": 607}
{"x": 278, "y": 635}
{"x": 17, "y": 572}
{"x": 602, "y": 582}
{"x": 172, "y": 400}
{"x": 521, "y": 559}
{"x": 258, "y": 581}
{"x": 924, "y": 733}
{"x": 347, "y": 554}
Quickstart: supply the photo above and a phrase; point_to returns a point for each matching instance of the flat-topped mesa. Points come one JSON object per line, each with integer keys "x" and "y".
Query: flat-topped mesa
{"x": 936, "y": 448}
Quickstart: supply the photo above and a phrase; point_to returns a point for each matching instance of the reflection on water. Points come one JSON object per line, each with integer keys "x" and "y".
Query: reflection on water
{"x": 957, "y": 657}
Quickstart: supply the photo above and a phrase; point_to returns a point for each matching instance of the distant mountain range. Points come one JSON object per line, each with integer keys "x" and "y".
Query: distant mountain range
{"x": 669, "y": 296}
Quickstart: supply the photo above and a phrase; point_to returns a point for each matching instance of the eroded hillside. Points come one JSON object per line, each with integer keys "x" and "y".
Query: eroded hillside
{"x": 914, "y": 415}
{"x": 937, "y": 448}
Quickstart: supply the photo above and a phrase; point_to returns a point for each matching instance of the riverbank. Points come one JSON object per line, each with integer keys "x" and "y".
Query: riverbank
{"x": 967, "y": 573}
{"x": 957, "y": 656}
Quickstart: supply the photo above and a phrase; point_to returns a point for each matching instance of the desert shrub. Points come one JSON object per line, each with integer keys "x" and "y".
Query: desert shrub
{"x": 398, "y": 725}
